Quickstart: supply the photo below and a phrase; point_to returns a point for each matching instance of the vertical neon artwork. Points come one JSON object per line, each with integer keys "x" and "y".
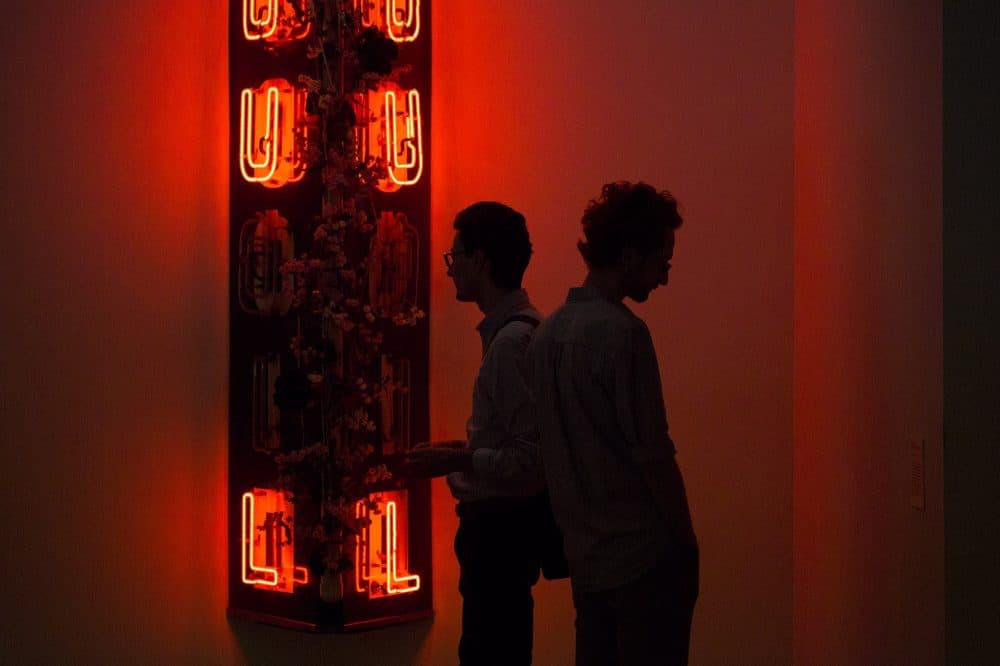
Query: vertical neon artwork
{"x": 329, "y": 343}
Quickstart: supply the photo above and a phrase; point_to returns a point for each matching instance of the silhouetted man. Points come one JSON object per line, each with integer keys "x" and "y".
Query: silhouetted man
{"x": 496, "y": 474}
{"x": 616, "y": 490}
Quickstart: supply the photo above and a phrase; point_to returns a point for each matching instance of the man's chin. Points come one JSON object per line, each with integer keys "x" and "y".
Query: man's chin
{"x": 639, "y": 296}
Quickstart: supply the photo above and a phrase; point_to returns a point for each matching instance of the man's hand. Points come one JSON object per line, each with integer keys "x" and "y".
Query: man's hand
{"x": 429, "y": 459}
{"x": 444, "y": 444}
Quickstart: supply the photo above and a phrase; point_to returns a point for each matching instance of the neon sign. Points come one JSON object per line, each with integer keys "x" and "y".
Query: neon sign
{"x": 393, "y": 264}
{"x": 395, "y": 399}
{"x": 380, "y": 556}
{"x": 266, "y": 244}
{"x": 393, "y": 135}
{"x": 399, "y": 19}
{"x": 275, "y": 21}
{"x": 267, "y": 539}
{"x": 273, "y": 133}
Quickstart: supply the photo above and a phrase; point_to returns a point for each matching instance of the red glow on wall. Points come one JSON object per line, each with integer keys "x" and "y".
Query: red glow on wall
{"x": 273, "y": 133}
{"x": 393, "y": 134}
{"x": 275, "y": 21}
{"x": 399, "y": 19}
{"x": 380, "y": 560}
{"x": 267, "y": 542}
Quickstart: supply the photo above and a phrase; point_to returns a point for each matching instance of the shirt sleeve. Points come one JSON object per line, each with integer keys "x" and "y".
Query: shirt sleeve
{"x": 639, "y": 397}
{"x": 517, "y": 458}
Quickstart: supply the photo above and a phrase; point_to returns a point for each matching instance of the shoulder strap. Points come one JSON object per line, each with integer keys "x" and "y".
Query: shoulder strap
{"x": 527, "y": 319}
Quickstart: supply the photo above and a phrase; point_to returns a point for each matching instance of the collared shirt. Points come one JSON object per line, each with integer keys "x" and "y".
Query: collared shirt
{"x": 501, "y": 430}
{"x": 596, "y": 383}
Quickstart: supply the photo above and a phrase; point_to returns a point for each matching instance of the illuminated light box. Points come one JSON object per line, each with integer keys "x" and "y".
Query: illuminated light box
{"x": 273, "y": 133}
{"x": 275, "y": 21}
{"x": 399, "y": 19}
{"x": 393, "y": 134}
{"x": 267, "y": 542}
{"x": 266, "y": 244}
{"x": 381, "y": 562}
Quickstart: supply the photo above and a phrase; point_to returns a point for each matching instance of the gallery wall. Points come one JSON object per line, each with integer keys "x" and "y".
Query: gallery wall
{"x": 539, "y": 104}
{"x": 869, "y": 577}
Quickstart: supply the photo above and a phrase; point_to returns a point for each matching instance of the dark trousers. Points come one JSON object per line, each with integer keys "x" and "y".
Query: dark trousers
{"x": 646, "y": 621}
{"x": 498, "y": 564}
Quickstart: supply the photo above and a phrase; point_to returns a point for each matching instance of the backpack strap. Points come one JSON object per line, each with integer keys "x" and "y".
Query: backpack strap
{"x": 526, "y": 319}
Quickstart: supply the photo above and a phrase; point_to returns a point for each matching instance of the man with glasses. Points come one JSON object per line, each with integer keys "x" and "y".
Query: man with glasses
{"x": 616, "y": 490}
{"x": 495, "y": 474}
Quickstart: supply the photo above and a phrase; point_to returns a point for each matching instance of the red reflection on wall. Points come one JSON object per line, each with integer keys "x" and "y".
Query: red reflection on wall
{"x": 380, "y": 556}
{"x": 267, "y": 542}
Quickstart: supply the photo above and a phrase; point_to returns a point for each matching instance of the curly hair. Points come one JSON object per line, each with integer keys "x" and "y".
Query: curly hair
{"x": 626, "y": 214}
{"x": 502, "y": 234}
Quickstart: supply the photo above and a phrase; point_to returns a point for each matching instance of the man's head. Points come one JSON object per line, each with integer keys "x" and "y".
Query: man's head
{"x": 491, "y": 244}
{"x": 629, "y": 229}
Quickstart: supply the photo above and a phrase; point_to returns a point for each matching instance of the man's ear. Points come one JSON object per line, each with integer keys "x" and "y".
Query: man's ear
{"x": 630, "y": 257}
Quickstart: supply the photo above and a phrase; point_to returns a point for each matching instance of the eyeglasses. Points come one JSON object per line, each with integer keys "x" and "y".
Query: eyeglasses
{"x": 449, "y": 257}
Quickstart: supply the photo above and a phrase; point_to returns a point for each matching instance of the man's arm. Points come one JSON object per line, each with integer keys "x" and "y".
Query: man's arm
{"x": 643, "y": 419}
{"x": 429, "y": 459}
{"x": 663, "y": 478}
{"x": 518, "y": 458}
{"x": 441, "y": 444}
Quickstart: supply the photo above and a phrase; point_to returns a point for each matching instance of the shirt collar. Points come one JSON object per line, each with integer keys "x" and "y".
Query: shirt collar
{"x": 589, "y": 294}
{"x": 582, "y": 295}
{"x": 513, "y": 302}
